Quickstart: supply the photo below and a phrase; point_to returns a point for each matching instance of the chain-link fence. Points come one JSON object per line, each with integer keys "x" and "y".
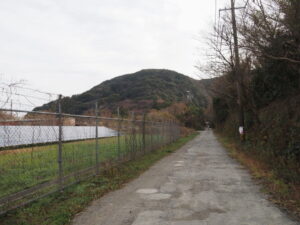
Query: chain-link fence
{"x": 42, "y": 152}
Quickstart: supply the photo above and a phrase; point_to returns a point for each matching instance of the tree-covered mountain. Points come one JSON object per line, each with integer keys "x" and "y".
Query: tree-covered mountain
{"x": 140, "y": 91}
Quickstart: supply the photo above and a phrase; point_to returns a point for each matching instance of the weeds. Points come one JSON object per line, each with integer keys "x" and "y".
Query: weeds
{"x": 60, "y": 208}
{"x": 285, "y": 194}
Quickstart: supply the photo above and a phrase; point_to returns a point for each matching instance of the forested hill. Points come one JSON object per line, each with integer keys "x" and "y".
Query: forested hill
{"x": 143, "y": 90}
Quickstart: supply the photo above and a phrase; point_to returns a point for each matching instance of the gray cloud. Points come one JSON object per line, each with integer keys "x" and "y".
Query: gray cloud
{"x": 68, "y": 46}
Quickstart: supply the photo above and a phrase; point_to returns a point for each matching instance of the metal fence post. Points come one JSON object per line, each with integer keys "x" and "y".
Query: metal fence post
{"x": 161, "y": 136}
{"x": 168, "y": 132}
{"x": 133, "y": 135}
{"x": 171, "y": 131}
{"x": 178, "y": 131}
{"x": 60, "y": 136}
{"x": 144, "y": 132}
{"x": 97, "y": 140}
{"x": 151, "y": 135}
{"x": 119, "y": 128}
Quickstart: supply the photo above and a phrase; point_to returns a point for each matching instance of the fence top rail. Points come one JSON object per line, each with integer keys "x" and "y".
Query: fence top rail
{"x": 82, "y": 116}
{"x": 31, "y": 120}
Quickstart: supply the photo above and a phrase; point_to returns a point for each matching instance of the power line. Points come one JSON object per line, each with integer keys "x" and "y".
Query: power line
{"x": 30, "y": 89}
{"x": 216, "y": 9}
{"x": 23, "y": 95}
{"x": 29, "y": 101}
{"x": 16, "y": 103}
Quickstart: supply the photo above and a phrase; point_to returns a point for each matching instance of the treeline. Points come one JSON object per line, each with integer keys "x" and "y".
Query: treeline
{"x": 141, "y": 91}
{"x": 269, "y": 44}
{"x": 164, "y": 94}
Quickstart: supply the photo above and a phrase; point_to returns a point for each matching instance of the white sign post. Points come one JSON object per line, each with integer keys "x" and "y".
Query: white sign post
{"x": 241, "y": 130}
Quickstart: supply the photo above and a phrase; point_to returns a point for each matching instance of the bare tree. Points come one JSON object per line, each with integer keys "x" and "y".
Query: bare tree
{"x": 272, "y": 21}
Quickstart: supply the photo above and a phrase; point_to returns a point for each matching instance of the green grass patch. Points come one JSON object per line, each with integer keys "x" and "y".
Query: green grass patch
{"x": 26, "y": 167}
{"x": 60, "y": 208}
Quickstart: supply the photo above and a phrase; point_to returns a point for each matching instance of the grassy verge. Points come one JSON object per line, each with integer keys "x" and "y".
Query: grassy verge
{"x": 26, "y": 167}
{"x": 286, "y": 195}
{"x": 60, "y": 208}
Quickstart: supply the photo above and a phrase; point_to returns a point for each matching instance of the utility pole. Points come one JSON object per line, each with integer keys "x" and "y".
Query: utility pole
{"x": 238, "y": 75}
{"x": 237, "y": 70}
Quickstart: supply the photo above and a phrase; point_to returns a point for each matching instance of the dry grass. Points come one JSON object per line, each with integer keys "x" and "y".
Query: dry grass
{"x": 286, "y": 195}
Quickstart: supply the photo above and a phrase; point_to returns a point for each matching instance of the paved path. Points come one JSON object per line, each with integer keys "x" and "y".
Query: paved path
{"x": 197, "y": 185}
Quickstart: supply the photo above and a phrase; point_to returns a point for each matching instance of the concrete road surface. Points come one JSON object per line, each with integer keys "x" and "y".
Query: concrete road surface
{"x": 198, "y": 185}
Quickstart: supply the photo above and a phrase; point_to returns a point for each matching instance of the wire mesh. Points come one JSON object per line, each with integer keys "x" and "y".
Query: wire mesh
{"x": 41, "y": 153}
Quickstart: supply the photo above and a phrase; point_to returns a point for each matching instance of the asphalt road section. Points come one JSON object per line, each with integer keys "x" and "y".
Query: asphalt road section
{"x": 198, "y": 185}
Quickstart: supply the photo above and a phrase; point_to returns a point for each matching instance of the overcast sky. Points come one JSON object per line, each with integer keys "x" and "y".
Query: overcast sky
{"x": 69, "y": 46}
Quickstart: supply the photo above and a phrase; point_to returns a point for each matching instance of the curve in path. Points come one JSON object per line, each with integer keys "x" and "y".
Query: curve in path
{"x": 198, "y": 185}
